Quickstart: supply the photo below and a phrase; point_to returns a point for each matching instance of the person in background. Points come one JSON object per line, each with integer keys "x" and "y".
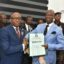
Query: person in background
{"x": 28, "y": 26}
{"x": 12, "y": 41}
{"x": 2, "y": 24}
{"x": 40, "y": 21}
{"x": 29, "y": 23}
{"x": 3, "y": 19}
{"x": 60, "y": 53}
{"x": 58, "y": 20}
{"x": 53, "y": 38}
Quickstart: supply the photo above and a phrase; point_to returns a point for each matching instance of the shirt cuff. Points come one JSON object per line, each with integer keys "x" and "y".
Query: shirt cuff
{"x": 23, "y": 47}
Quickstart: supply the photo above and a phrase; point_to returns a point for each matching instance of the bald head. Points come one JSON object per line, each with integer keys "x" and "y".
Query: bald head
{"x": 16, "y": 19}
{"x": 15, "y": 14}
{"x": 49, "y": 16}
{"x": 50, "y": 11}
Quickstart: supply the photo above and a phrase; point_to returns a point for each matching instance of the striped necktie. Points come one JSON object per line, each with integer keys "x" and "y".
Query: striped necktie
{"x": 18, "y": 31}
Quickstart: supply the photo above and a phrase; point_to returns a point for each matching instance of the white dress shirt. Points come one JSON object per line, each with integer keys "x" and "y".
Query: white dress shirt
{"x": 49, "y": 26}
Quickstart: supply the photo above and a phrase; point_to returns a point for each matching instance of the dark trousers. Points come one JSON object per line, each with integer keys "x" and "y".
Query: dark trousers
{"x": 60, "y": 57}
{"x": 27, "y": 59}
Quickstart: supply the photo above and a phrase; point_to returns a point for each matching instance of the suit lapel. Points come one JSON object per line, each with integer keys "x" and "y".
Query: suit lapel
{"x": 13, "y": 31}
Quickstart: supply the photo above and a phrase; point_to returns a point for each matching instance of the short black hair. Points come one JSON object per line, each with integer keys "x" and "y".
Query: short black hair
{"x": 57, "y": 13}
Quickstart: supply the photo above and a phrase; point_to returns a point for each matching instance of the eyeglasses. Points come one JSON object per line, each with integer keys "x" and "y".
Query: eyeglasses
{"x": 19, "y": 18}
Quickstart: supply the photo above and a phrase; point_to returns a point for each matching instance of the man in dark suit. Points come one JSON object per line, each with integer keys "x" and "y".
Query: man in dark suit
{"x": 60, "y": 54}
{"x": 27, "y": 26}
{"x": 2, "y": 24}
{"x": 11, "y": 41}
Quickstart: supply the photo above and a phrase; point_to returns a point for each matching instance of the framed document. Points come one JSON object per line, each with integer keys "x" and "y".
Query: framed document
{"x": 36, "y": 40}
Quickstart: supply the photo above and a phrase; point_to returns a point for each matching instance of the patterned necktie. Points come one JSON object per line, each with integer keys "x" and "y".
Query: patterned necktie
{"x": 45, "y": 31}
{"x": 18, "y": 31}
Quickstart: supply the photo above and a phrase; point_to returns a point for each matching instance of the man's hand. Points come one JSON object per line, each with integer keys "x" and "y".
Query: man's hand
{"x": 25, "y": 42}
{"x": 46, "y": 46}
{"x": 26, "y": 51}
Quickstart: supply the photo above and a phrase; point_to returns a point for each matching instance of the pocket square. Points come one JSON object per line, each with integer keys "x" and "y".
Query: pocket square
{"x": 53, "y": 32}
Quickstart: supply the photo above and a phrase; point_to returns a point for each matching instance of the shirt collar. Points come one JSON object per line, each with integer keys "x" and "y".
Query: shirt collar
{"x": 15, "y": 28}
{"x": 50, "y": 24}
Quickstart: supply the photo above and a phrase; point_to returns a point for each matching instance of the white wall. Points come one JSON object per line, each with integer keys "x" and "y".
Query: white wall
{"x": 57, "y": 6}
